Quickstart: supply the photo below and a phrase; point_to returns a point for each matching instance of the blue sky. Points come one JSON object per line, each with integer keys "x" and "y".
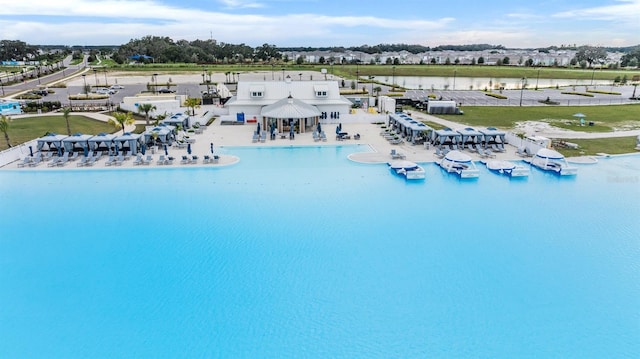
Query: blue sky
{"x": 313, "y": 23}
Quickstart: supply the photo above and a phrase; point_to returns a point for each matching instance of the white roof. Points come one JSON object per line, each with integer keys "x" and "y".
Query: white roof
{"x": 290, "y": 108}
{"x": 273, "y": 91}
{"x": 457, "y": 156}
{"x": 550, "y": 154}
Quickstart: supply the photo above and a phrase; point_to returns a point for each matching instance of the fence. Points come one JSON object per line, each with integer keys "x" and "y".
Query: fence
{"x": 17, "y": 152}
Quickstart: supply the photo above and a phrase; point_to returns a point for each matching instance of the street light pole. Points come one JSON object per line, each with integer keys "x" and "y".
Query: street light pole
{"x": 84, "y": 79}
{"x": 283, "y": 74}
{"x": 524, "y": 79}
{"x": 394, "y": 78}
{"x": 371, "y": 80}
{"x": 537, "y": 78}
{"x": 105, "y": 78}
{"x": 155, "y": 83}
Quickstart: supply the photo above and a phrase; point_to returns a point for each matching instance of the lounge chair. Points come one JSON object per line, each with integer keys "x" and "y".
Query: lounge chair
{"x": 83, "y": 161}
{"x": 25, "y": 161}
{"x": 263, "y": 137}
{"x": 180, "y": 144}
{"x": 74, "y": 157}
{"x": 36, "y": 161}
{"x": 323, "y": 136}
{"x": 169, "y": 160}
{"x": 138, "y": 160}
{"x": 194, "y": 159}
{"x": 184, "y": 160}
{"x": 147, "y": 160}
{"x": 127, "y": 155}
{"x": 63, "y": 161}
{"x": 161, "y": 160}
{"x": 255, "y": 137}
{"x": 439, "y": 152}
{"x": 397, "y": 155}
{"x": 91, "y": 161}
{"x": 48, "y": 156}
{"x": 522, "y": 152}
{"x": 110, "y": 161}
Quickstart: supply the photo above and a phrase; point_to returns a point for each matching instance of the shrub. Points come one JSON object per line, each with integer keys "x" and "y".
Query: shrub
{"x": 577, "y": 93}
{"x": 496, "y": 95}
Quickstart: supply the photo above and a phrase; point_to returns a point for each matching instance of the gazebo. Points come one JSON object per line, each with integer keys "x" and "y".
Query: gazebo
{"x": 165, "y": 135}
{"x": 52, "y": 141}
{"x": 102, "y": 141}
{"x": 470, "y": 136}
{"x": 445, "y": 136}
{"x": 492, "y": 135}
{"x": 129, "y": 141}
{"x": 77, "y": 141}
{"x": 290, "y": 112}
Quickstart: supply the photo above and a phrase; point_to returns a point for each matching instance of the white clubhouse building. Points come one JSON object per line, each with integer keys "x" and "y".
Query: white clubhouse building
{"x": 282, "y": 104}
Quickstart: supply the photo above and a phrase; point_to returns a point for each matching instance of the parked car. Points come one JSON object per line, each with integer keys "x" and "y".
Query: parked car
{"x": 116, "y": 87}
{"x": 105, "y": 91}
{"x": 40, "y": 92}
{"x": 166, "y": 91}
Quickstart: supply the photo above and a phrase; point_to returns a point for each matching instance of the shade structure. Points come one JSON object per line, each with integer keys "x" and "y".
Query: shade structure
{"x": 52, "y": 141}
{"x": 579, "y": 115}
{"x": 76, "y": 141}
{"x": 101, "y": 140}
{"x": 130, "y": 141}
{"x": 290, "y": 108}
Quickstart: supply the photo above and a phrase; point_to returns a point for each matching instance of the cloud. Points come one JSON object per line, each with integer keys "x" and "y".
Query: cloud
{"x": 240, "y": 4}
{"x": 624, "y": 10}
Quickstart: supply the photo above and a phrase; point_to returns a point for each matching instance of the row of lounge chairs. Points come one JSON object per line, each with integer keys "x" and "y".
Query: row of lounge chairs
{"x": 262, "y": 136}
{"x": 392, "y": 137}
{"x": 321, "y": 136}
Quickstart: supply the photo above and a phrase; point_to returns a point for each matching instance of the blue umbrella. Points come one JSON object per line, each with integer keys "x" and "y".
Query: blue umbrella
{"x": 337, "y": 130}
{"x": 116, "y": 149}
{"x": 86, "y": 151}
{"x": 59, "y": 151}
{"x": 258, "y": 130}
{"x": 143, "y": 148}
{"x": 211, "y": 147}
{"x": 188, "y": 148}
{"x": 166, "y": 152}
{"x": 31, "y": 151}
{"x": 319, "y": 128}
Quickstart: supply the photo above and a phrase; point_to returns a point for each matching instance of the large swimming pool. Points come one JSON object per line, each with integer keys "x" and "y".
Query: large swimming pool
{"x": 299, "y": 252}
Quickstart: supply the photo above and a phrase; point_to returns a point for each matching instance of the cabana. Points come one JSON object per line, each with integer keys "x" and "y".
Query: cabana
{"x": 469, "y": 136}
{"x": 445, "y": 137}
{"x": 412, "y": 130}
{"x": 129, "y": 142}
{"x": 493, "y": 136}
{"x": 177, "y": 119}
{"x": 53, "y": 141}
{"x": 164, "y": 135}
{"x": 102, "y": 141}
{"x": 289, "y": 112}
{"x": 77, "y": 141}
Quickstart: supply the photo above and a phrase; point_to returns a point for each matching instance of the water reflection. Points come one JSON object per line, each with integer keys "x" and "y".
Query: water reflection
{"x": 480, "y": 83}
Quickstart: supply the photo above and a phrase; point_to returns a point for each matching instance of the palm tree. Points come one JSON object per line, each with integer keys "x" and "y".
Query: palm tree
{"x": 4, "y": 127}
{"x": 121, "y": 119}
{"x": 159, "y": 118}
{"x": 192, "y": 103}
{"x": 146, "y": 108}
{"x": 65, "y": 114}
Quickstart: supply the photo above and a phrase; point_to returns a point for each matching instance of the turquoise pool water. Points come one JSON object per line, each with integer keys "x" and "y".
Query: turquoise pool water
{"x": 298, "y": 252}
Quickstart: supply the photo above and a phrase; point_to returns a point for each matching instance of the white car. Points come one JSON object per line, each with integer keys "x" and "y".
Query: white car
{"x": 116, "y": 87}
{"x": 105, "y": 91}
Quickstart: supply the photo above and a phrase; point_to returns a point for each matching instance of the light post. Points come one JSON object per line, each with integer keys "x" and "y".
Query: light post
{"x": 593, "y": 73}
{"x": 38, "y": 75}
{"x": 95, "y": 73}
{"x": 272, "y": 76}
{"x": 537, "y": 78}
{"x": 371, "y": 80}
{"x": 283, "y": 74}
{"x": 524, "y": 80}
{"x": 393, "y": 82}
{"x": 454, "y": 79}
{"x": 300, "y": 74}
{"x": 155, "y": 83}
{"x": 84, "y": 79}
{"x": 105, "y": 77}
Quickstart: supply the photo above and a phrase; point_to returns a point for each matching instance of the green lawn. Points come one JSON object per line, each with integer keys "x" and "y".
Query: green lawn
{"x": 605, "y": 118}
{"x": 611, "y": 146}
{"x": 29, "y": 128}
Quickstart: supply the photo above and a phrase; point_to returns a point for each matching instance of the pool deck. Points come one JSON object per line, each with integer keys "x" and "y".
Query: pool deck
{"x": 241, "y": 135}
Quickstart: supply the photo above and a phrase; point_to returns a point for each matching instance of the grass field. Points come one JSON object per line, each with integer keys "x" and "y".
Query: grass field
{"x": 605, "y": 118}
{"x": 350, "y": 71}
{"x": 612, "y": 146}
{"x": 29, "y": 128}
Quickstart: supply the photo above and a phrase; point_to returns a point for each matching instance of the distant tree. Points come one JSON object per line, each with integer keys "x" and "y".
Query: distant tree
{"x": 353, "y": 85}
{"x": 388, "y": 61}
{"x": 499, "y": 62}
{"x": 456, "y": 61}
{"x": 120, "y": 120}
{"x": 4, "y": 128}
{"x": 396, "y": 61}
{"x": 529, "y": 62}
{"x": 433, "y": 60}
{"x": 473, "y": 61}
{"x": 65, "y": 113}
{"x": 322, "y": 60}
{"x": 506, "y": 60}
{"x": 146, "y": 108}
{"x": 447, "y": 61}
{"x": 480, "y": 60}
{"x": 591, "y": 54}
{"x": 300, "y": 60}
